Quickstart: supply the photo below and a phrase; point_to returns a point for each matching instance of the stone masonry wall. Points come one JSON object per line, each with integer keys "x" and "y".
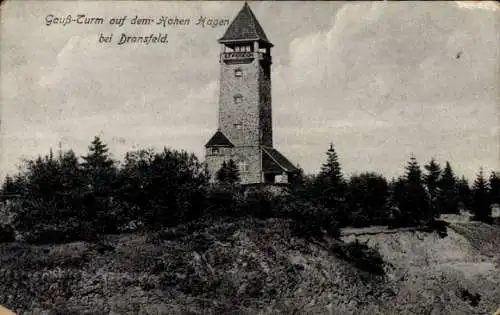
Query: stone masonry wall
{"x": 245, "y": 113}
{"x": 214, "y": 161}
{"x": 250, "y": 155}
{"x": 266, "y": 127}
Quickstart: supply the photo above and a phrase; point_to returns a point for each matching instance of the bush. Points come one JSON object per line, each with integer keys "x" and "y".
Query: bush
{"x": 438, "y": 226}
{"x": 259, "y": 203}
{"x": 308, "y": 219}
{"x": 473, "y": 299}
{"x": 360, "y": 255}
{"x": 367, "y": 199}
{"x": 7, "y": 234}
{"x": 222, "y": 201}
{"x": 59, "y": 232}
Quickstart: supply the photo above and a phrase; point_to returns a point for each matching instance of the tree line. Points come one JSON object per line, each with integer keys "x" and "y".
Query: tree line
{"x": 417, "y": 197}
{"x": 62, "y": 197}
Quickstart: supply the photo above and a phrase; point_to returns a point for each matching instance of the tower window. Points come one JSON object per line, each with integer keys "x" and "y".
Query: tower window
{"x": 238, "y": 98}
{"x": 238, "y": 73}
{"x": 243, "y": 166}
{"x": 215, "y": 151}
{"x": 237, "y": 125}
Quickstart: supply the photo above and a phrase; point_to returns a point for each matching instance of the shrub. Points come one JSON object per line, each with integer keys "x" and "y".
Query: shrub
{"x": 473, "y": 299}
{"x": 367, "y": 198}
{"x": 360, "y": 255}
{"x": 258, "y": 203}
{"x": 308, "y": 219}
{"x": 438, "y": 226}
{"x": 7, "y": 234}
{"x": 222, "y": 200}
{"x": 58, "y": 232}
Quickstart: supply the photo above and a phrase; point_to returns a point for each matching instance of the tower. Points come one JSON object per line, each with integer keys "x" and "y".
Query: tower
{"x": 245, "y": 132}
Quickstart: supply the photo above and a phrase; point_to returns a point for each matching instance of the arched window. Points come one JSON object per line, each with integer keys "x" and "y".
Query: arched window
{"x": 238, "y": 98}
{"x": 238, "y": 72}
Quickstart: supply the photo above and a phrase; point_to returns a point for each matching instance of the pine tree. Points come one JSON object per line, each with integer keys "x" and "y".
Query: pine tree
{"x": 413, "y": 200}
{"x": 330, "y": 186}
{"x": 480, "y": 199}
{"x": 431, "y": 181}
{"x": 8, "y": 186}
{"x": 396, "y": 196}
{"x": 495, "y": 188}
{"x": 413, "y": 171}
{"x": 100, "y": 174}
{"x": 464, "y": 193}
{"x": 98, "y": 166}
{"x": 221, "y": 173}
{"x": 331, "y": 172}
{"x": 448, "y": 199}
{"x": 233, "y": 174}
{"x": 228, "y": 173}
{"x": 71, "y": 180}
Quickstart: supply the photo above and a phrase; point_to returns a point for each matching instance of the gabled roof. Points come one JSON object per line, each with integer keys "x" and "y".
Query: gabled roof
{"x": 245, "y": 27}
{"x": 219, "y": 140}
{"x": 274, "y": 162}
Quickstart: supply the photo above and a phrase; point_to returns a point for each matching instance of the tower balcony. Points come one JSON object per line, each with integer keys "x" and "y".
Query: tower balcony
{"x": 244, "y": 57}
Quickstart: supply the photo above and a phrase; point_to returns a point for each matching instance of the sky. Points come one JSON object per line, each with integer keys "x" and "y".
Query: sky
{"x": 379, "y": 80}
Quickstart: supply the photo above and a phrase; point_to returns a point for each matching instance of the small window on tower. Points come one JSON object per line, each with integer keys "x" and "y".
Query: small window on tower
{"x": 237, "y": 125}
{"x": 238, "y": 73}
{"x": 215, "y": 150}
{"x": 243, "y": 166}
{"x": 238, "y": 98}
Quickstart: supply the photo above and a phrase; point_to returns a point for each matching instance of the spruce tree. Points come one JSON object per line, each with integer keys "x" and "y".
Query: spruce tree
{"x": 413, "y": 200}
{"x": 233, "y": 173}
{"x": 481, "y": 199}
{"x": 228, "y": 173}
{"x": 464, "y": 193}
{"x": 448, "y": 199}
{"x": 330, "y": 186}
{"x": 431, "y": 181}
{"x": 413, "y": 171}
{"x": 100, "y": 174}
{"x": 495, "y": 188}
{"x": 221, "y": 173}
{"x": 330, "y": 171}
{"x": 98, "y": 166}
{"x": 8, "y": 186}
{"x": 396, "y": 198}
{"x": 71, "y": 180}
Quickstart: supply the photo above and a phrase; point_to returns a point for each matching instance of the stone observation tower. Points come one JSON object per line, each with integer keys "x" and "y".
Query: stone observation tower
{"x": 245, "y": 132}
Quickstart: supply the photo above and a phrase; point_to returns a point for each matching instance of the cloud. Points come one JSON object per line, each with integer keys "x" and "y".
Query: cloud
{"x": 483, "y": 5}
{"x": 376, "y": 79}
{"x": 380, "y": 80}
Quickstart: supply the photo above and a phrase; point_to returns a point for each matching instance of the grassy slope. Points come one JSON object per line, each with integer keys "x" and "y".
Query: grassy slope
{"x": 251, "y": 267}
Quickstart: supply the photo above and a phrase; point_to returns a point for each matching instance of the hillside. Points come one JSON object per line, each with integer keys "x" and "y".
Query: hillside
{"x": 255, "y": 267}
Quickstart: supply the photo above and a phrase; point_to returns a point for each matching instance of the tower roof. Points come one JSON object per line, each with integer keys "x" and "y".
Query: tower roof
{"x": 219, "y": 140}
{"x": 275, "y": 162}
{"x": 245, "y": 27}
